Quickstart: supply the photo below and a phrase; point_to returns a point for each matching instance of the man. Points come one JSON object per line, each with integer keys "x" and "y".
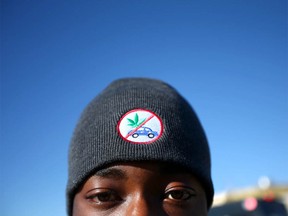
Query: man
{"x": 139, "y": 149}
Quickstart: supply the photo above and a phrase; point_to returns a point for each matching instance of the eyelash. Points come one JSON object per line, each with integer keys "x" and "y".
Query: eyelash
{"x": 108, "y": 196}
{"x": 176, "y": 194}
{"x": 179, "y": 194}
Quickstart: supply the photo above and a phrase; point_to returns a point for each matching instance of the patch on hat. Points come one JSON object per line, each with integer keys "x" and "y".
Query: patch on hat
{"x": 140, "y": 126}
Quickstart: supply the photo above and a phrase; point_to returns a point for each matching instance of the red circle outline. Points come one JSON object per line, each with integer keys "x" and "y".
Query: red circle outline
{"x": 149, "y": 142}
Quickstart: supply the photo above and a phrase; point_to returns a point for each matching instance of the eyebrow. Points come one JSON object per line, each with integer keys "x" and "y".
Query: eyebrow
{"x": 112, "y": 173}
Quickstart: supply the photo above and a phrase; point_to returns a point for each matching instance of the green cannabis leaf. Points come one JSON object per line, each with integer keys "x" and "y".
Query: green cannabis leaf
{"x": 136, "y": 118}
{"x": 135, "y": 123}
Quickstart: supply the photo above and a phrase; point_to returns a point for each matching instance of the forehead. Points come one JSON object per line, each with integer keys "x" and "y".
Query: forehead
{"x": 161, "y": 171}
{"x": 148, "y": 166}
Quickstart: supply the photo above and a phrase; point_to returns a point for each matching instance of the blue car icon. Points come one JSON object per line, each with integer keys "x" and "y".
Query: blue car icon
{"x": 144, "y": 131}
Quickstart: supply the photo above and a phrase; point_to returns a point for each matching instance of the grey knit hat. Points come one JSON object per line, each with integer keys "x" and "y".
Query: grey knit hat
{"x": 138, "y": 119}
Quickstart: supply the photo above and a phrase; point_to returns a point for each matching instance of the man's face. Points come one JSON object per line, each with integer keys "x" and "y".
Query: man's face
{"x": 141, "y": 188}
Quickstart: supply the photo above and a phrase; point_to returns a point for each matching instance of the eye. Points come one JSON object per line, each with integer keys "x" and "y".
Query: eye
{"x": 179, "y": 193}
{"x": 101, "y": 196}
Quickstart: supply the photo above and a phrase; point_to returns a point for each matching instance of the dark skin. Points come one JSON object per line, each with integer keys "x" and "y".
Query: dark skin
{"x": 141, "y": 188}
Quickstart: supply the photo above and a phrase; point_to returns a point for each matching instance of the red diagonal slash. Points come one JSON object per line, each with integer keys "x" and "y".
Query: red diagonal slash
{"x": 148, "y": 119}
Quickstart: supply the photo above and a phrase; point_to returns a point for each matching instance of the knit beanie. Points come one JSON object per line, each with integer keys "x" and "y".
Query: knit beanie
{"x": 138, "y": 119}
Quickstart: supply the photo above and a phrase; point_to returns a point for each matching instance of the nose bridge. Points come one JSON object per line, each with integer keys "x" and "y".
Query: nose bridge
{"x": 140, "y": 205}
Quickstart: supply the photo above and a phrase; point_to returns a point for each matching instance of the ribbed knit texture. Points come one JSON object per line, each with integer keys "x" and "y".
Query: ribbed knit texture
{"x": 97, "y": 143}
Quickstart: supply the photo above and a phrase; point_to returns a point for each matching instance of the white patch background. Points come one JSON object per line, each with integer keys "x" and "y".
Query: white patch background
{"x": 154, "y": 123}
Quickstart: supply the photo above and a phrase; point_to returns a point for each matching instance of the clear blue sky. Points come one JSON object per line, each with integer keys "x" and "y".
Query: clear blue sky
{"x": 227, "y": 57}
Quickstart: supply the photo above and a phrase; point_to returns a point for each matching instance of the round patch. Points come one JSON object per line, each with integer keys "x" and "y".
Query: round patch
{"x": 140, "y": 126}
